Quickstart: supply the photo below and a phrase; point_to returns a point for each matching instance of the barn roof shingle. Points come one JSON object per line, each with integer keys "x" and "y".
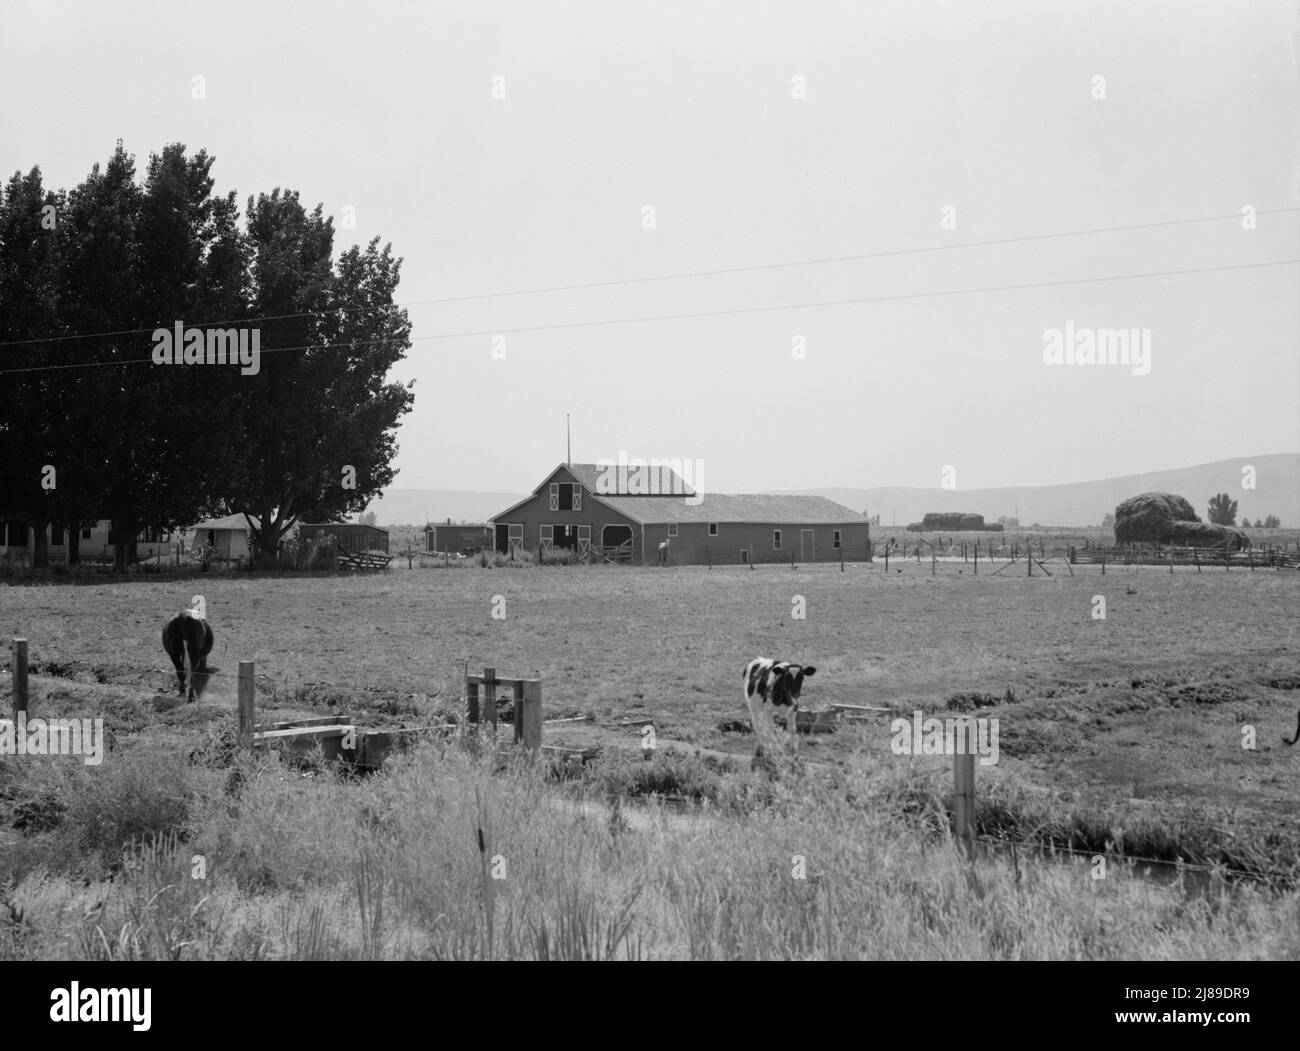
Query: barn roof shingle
{"x": 660, "y": 480}
{"x": 762, "y": 508}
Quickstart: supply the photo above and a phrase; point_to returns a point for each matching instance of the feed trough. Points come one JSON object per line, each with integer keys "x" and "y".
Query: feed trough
{"x": 816, "y": 720}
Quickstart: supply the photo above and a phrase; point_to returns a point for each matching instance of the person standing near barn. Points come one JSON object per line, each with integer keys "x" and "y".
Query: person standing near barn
{"x": 663, "y": 552}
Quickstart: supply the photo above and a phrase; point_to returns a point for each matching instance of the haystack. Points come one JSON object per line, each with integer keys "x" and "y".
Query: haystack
{"x": 1150, "y": 517}
{"x": 1207, "y": 534}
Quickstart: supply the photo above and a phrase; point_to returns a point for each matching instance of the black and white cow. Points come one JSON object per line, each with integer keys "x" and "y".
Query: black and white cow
{"x": 771, "y": 685}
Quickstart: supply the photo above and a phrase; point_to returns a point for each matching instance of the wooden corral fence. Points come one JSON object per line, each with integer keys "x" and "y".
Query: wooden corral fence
{"x": 362, "y": 559}
{"x": 1268, "y": 557}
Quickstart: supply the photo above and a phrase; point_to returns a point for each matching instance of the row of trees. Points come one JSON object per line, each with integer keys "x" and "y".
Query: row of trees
{"x": 91, "y": 427}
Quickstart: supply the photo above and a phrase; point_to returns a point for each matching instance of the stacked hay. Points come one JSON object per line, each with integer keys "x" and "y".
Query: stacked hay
{"x": 1164, "y": 518}
{"x": 1207, "y": 534}
{"x": 953, "y": 520}
{"x": 1150, "y": 518}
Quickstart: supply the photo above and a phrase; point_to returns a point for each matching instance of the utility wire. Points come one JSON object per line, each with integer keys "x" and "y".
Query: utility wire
{"x": 710, "y": 313}
{"x": 664, "y": 277}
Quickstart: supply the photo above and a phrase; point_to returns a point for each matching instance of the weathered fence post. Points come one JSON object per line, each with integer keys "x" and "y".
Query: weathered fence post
{"x": 977, "y": 558}
{"x": 490, "y": 695}
{"x": 471, "y": 701}
{"x": 528, "y": 713}
{"x": 963, "y": 799}
{"x": 841, "y": 556}
{"x": 246, "y": 702}
{"x": 20, "y": 677}
{"x": 886, "y": 557}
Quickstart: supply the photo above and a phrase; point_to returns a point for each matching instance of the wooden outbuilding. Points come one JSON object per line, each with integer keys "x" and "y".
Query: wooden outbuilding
{"x": 574, "y": 507}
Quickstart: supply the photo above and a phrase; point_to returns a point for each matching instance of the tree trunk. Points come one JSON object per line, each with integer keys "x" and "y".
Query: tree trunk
{"x": 74, "y": 543}
{"x": 40, "y": 545}
{"x": 123, "y": 538}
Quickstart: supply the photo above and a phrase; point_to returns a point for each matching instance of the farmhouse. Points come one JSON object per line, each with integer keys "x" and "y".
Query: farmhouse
{"x": 464, "y": 537}
{"x": 573, "y": 508}
{"x": 94, "y": 542}
{"x": 350, "y": 536}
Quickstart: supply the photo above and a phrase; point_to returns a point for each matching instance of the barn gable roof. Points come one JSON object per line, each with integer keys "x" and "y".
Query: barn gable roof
{"x": 665, "y": 506}
{"x": 588, "y": 476}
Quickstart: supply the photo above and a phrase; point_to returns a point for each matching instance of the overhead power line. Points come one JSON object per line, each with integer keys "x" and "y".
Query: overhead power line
{"x": 578, "y": 286}
{"x": 714, "y": 313}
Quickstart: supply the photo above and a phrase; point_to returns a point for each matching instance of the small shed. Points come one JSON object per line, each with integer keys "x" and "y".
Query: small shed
{"x": 351, "y": 536}
{"x": 228, "y": 537}
{"x": 466, "y": 538}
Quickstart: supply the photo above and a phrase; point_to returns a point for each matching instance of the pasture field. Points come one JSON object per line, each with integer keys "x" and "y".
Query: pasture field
{"x": 1121, "y": 735}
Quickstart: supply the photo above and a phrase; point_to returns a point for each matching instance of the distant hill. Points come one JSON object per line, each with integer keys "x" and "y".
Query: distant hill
{"x": 417, "y": 506}
{"x": 1277, "y": 492}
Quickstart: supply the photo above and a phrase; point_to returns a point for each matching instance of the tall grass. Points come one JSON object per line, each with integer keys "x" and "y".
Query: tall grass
{"x": 284, "y": 866}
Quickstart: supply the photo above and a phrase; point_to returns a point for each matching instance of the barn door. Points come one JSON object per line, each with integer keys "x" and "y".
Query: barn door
{"x": 806, "y": 552}
{"x": 516, "y": 540}
{"x": 584, "y": 544}
{"x": 548, "y": 538}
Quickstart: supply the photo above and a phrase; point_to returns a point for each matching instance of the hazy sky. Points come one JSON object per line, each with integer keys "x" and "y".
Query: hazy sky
{"x": 689, "y": 108}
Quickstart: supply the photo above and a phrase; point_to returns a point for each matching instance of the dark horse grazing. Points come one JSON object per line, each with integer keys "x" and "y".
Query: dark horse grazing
{"x": 184, "y": 632}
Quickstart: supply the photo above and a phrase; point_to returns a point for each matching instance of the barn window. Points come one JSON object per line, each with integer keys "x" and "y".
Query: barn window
{"x": 836, "y": 542}
{"x": 744, "y": 557}
{"x": 672, "y": 528}
{"x": 713, "y": 529}
{"x": 566, "y": 496}
{"x": 776, "y": 540}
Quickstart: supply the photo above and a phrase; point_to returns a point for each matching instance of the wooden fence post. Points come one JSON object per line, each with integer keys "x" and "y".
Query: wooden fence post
{"x": 246, "y": 703}
{"x": 841, "y": 556}
{"x": 886, "y": 557}
{"x": 977, "y": 558}
{"x": 20, "y": 677}
{"x": 963, "y": 767}
{"x": 528, "y": 713}
{"x": 471, "y": 701}
{"x": 490, "y": 695}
